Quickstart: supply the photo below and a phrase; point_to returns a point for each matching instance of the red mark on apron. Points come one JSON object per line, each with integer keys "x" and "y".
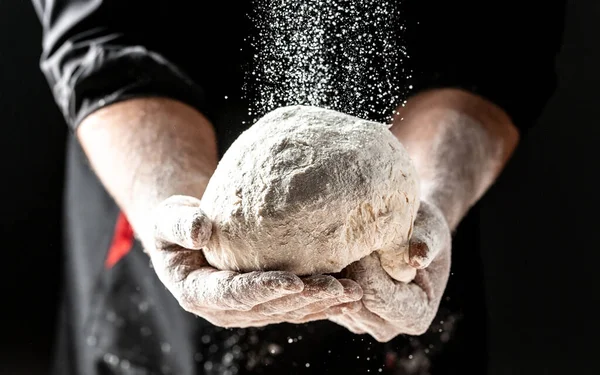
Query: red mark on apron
{"x": 122, "y": 242}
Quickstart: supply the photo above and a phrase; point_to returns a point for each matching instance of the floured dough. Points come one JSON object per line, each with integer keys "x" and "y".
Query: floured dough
{"x": 311, "y": 190}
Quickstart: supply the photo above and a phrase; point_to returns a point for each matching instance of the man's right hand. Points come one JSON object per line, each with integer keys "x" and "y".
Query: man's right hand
{"x": 228, "y": 298}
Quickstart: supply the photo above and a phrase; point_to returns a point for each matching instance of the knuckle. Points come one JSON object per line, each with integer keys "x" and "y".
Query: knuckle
{"x": 264, "y": 310}
{"x": 228, "y": 324}
{"x": 419, "y": 327}
{"x": 417, "y": 330}
{"x": 223, "y": 319}
{"x": 291, "y": 315}
{"x": 257, "y": 324}
{"x": 187, "y": 303}
{"x": 216, "y": 321}
{"x": 382, "y": 336}
{"x": 295, "y": 320}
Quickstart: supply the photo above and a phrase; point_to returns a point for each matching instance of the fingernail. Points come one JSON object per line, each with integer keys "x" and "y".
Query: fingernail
{"x": 326, "y": 284}
{"x": 200, "y": 229}
{"x": 355, "y": 292}
{"x": 291, "y": 283}
{"x": 418, "y": 254}
{"x": 334, "y": 288}
{"x": 280, "y": 281}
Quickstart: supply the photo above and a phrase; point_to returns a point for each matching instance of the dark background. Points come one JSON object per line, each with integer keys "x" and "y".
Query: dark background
{"x": 31, "y": 165}
{"x": 539, "y": 224}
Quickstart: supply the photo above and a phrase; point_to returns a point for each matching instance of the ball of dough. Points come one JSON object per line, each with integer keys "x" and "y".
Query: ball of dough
{"x": 310, "y": 190}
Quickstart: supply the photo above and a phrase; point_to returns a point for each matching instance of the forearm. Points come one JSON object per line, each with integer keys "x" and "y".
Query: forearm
{"x": 459, "y": 143}
{"x": 145, "y": 150}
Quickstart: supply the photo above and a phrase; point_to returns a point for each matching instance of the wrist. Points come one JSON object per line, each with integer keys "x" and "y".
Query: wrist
{"x": 147, "y": 197}
{"x": 458, "y": 142}
{"x": 451, "y": 205}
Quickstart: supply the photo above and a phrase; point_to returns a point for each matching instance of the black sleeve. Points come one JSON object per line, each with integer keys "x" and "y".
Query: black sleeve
{"x": 97, "y": 52}
{"x": 501, "y": 50}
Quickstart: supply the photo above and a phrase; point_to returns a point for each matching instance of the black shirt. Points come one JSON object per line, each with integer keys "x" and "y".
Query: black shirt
{"x": 121, "y": 320}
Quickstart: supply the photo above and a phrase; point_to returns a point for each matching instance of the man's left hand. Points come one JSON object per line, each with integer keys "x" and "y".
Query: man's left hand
{"x": 389, "y": 307}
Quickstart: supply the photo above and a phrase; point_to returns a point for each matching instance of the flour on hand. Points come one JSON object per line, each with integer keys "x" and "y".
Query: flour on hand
{"x": 310, "y": 190}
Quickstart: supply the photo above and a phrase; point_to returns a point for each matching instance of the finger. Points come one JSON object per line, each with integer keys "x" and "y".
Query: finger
{"x": 391, "y": 300}
{"x": 179, "y": 220}
{"x": 226, "y": 290}
{"x": 352, "y": 292}
{"x": 366, "y": 321}
{"x": 305, "y": 319}
{"x": 235, "y": 319}
{"x": 316, "y": 288}
{"x": 347, "y": 323}
{"x": 173, "y": 264}
{"x": 395, "y": 263}
{"x": 337, "y": 310}
{"x": 430, "y": 235}
{"x": 240, "y": 319}
{"x": 344, "y": 308}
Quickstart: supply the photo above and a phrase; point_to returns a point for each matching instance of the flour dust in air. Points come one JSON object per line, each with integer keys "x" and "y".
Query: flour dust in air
{"x": 342, "y": 55}
{"x": 348, "y": 56}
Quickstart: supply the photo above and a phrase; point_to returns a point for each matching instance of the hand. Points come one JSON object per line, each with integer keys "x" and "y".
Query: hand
{"x": 389, "y": 307}
{"x": 227, "y": 298}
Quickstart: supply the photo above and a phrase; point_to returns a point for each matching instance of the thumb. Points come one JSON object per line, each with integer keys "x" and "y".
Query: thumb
{"x": 430, "y": 235}
{"x": 179, "y": 220}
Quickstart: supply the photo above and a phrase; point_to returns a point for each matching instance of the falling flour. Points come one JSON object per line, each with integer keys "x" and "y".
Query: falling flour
{"x": 311, "y": 190}
{"x": 348, "y": 56}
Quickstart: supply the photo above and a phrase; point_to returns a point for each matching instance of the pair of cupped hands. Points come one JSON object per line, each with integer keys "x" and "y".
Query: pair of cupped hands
{"x": 365, "y": 300}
